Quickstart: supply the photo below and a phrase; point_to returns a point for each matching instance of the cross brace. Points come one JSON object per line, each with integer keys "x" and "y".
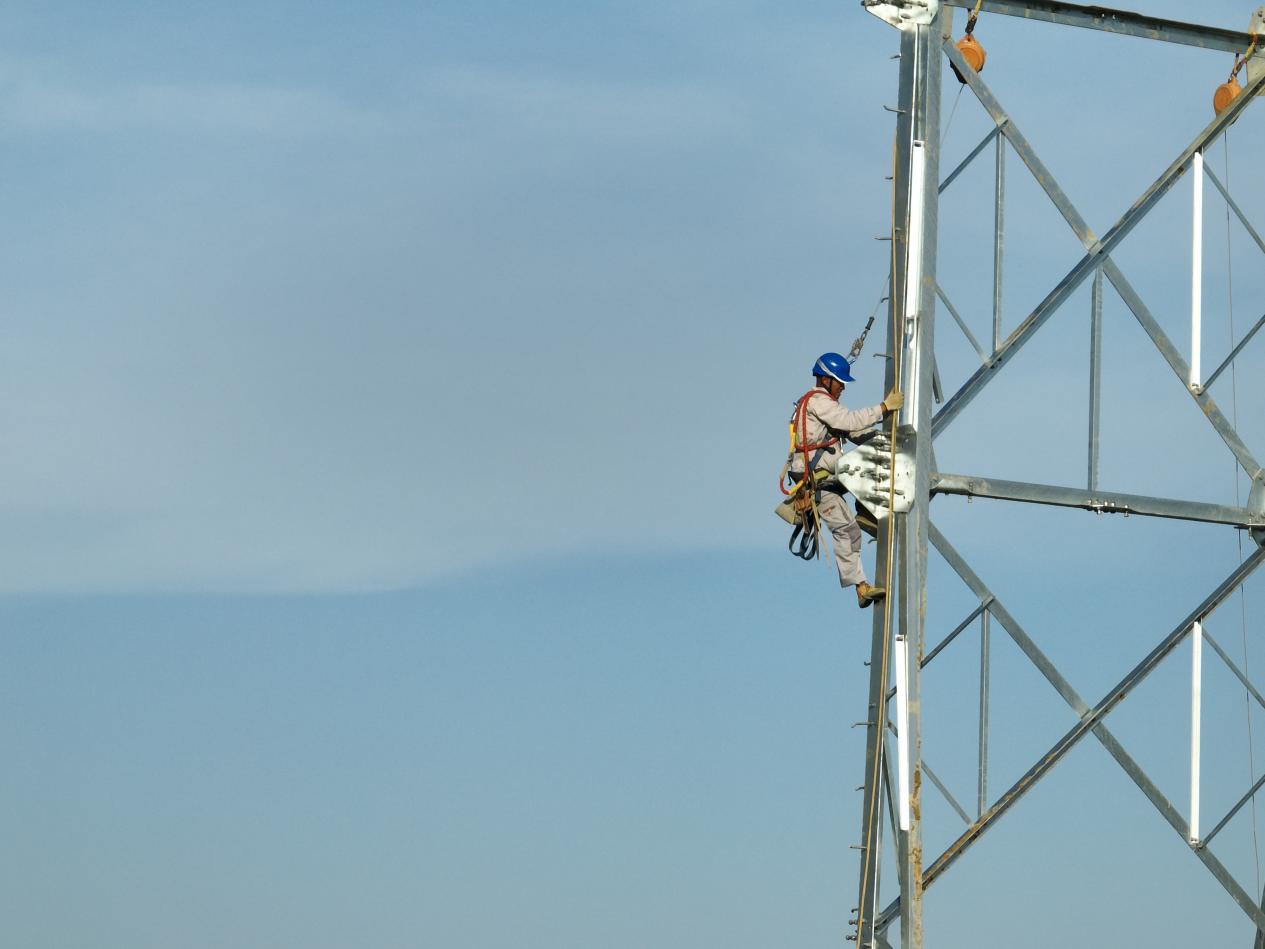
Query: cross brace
{"x": 1097, "y": 255}
{"x": 1090, "y": 720}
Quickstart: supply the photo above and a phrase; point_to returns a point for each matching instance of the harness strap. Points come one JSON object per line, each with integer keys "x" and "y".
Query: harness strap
{"x": 804, "y": 541}
{"x": 798, "y": 426}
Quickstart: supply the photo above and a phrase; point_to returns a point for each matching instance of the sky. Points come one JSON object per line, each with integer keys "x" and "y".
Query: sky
{"x": 393, "y": 398}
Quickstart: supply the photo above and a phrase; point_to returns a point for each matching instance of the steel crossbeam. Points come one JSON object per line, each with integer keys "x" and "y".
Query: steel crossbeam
{"x": 1100, "y": 502}
{"x": 1114, "y": 21}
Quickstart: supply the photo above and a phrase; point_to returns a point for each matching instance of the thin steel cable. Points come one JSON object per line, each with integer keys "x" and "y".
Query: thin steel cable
{"x": 1234, "y": 418}
{"x": 944, "y": 136}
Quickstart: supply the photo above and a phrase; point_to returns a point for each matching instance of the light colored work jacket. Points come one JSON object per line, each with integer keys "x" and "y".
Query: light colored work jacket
{"x": 828, "y": 419}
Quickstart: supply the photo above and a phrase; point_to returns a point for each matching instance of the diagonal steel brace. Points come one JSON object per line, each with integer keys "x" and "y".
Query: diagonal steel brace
{"x": 1096, "y": 255}
{"x": 1090, "y": 720}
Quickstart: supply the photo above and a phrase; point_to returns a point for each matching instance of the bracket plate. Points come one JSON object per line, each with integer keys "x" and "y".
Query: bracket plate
{"x": 867, "y": 471}
{"x": 903, "y": 13}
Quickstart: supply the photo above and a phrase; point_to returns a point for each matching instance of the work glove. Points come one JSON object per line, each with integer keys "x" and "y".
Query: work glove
{"x": 893, "y": 401}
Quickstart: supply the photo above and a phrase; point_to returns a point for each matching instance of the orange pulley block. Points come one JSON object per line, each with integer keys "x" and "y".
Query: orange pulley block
{"x": 972, "y": 52}
{"x": 1225, "y": 94}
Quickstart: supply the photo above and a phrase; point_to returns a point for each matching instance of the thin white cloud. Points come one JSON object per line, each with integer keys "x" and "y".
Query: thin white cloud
{"x": 640, "y": 109}
{"x": 32, "y": 102}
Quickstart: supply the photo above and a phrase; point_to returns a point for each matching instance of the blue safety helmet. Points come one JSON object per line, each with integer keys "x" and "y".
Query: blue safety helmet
{"x": 834, "y": 366}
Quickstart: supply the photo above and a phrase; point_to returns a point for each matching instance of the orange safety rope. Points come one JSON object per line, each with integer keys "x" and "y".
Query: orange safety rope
{"x": 799, "y": 425}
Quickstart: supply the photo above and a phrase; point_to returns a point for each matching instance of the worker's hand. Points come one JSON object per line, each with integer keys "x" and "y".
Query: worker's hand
{"x": 893, "y": 401}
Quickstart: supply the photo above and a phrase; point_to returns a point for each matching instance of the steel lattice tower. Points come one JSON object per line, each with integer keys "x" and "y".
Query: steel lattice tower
{"x": 897, "y": 475}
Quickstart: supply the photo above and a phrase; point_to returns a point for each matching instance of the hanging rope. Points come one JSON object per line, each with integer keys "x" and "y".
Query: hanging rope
{"x": 1234, "y": 419}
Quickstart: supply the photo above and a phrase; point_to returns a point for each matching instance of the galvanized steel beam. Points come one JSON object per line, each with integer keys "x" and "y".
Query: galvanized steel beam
{"x": 1114, "y": 21}
{"x": 918, "y": 365}
{"x": 880, "y": 644}
{"x": 1100, "y": 502}
{"x": 1095, "y": 379}
{"x": 999, "y": 230}
{"x": 985, "y": 659}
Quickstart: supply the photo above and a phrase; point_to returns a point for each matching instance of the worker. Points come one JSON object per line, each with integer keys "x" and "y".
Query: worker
{"x": 820, "y": 424}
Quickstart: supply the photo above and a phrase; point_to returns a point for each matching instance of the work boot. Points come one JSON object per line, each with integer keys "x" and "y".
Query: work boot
{"x": 867, "y": 593}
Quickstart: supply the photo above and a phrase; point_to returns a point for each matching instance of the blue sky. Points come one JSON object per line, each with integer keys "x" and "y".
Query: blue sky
{"x": 363, "y": 371}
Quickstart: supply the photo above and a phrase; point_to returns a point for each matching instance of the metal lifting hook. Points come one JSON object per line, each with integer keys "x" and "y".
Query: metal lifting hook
{"x": 859, "y": 343}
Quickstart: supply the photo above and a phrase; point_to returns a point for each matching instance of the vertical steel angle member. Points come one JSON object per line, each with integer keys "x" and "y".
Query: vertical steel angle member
{"x": 985, "y": 660}
{"x": 1097, "y": 250}
{"x": 1090, "y": 721}
{"x": 903, "y": 559}
{"x": 1196, "y": 730}
{"x": 1121, "y": 22}
{"x": 919, "y": 364}
{"x": 1196, "y": 269}
{"x": 999, "y": 219}
{"x": 1095, "y": 379}
{"x": 868, "y": 883}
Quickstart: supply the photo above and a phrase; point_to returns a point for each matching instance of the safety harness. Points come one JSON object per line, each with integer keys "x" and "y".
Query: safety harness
{"x": 803, "y": 493}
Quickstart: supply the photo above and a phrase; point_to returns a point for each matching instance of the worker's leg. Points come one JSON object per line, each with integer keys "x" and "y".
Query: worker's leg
{"x": 845, "y": 537}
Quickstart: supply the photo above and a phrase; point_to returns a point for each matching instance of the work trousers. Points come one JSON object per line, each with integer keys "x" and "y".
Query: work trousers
{"x": 845, "y": 535}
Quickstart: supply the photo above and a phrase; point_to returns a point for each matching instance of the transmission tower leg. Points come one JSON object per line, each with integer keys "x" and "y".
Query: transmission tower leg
{"x": 918, "y": 366}
{"x": 910, "y": 365}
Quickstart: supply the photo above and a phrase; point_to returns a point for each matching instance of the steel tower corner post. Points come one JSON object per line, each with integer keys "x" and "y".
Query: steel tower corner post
{"x": 918, "y": 364}
{"x": 910, "y": 365}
